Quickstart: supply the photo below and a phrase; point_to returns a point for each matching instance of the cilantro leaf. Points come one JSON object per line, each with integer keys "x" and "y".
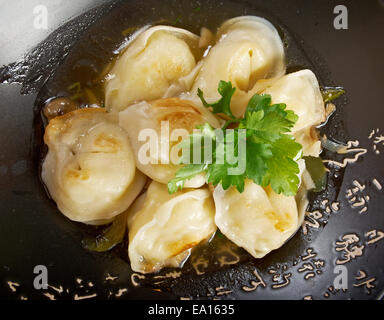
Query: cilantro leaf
{"x": 224, "y": 104}
{"x": 217, "y": 173}
{"x": 257, "y": 155}
{"x": 269, "y": 121}
{"x": 225, "y": 158}
{"x": 184, "y": 173}
{"x": 259, "y": 102}
{"x": 283, "y": 170}
{"x": 262, "y": 142}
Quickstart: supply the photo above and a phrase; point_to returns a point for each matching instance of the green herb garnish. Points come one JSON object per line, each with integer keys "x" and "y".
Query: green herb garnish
{"x": 271, "y": 151}
{"x": 75, "y": 90}
{"x": 109, "y": 237}
{"x": 317, "y": 171}
{"x": 331, "y": 93}
{"x": 223, "y": 106}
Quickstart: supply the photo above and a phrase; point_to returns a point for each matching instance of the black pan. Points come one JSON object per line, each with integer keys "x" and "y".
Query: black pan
{"x": 34, "y": 233}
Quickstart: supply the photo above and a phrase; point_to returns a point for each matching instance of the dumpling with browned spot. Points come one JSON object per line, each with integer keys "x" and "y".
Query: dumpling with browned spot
{"x": 258, "y": 220}
{"x": 162, "y": 228}
{"x": 90, "y": 169}
{"x": 155, "y": 128}
{"x": 153, "y": 62}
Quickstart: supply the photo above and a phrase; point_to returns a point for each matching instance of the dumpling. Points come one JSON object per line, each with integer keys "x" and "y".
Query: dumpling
{"x": 300, "y": 91}
{"x": 308, "y": 138}
{"x": 153, "y": 62}
{"x": 90, "y": 169}
{"x": 163, "y": 227}
{"x": 144, "y": 120}
{"x": 258, "y": 220}
{"x": 249, "y": 48}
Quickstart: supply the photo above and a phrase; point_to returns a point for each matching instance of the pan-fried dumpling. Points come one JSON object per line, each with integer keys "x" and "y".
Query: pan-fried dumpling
{"x": 163, "y": 227}
{"x": 258, "y": 220}
{"x": 153, "y": 62}
{"x": 248, "y": 49}
{"x": 90, "y": 169}
{"x": 146, "y": 117}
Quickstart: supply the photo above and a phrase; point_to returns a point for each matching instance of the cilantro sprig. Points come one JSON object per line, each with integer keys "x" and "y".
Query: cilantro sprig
{"x": 223, "y": 106}
{"x": 271, "y": 151}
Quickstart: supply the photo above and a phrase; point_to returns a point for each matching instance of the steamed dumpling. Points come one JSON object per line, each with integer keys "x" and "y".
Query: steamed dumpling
{"x": 300, "y": 91}
{"x": 153, "y": 62}
{"x": 258, "y": 220}
{"x": 308, "y": 138}
{"x": 146, "y": 117}
{"x": 90, "y": 169}
{"x": 248, "y": 49}
{"x": 163, "y": 227}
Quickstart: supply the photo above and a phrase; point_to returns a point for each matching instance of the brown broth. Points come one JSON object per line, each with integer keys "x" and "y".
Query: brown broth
{"x": 81, "y": 79}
